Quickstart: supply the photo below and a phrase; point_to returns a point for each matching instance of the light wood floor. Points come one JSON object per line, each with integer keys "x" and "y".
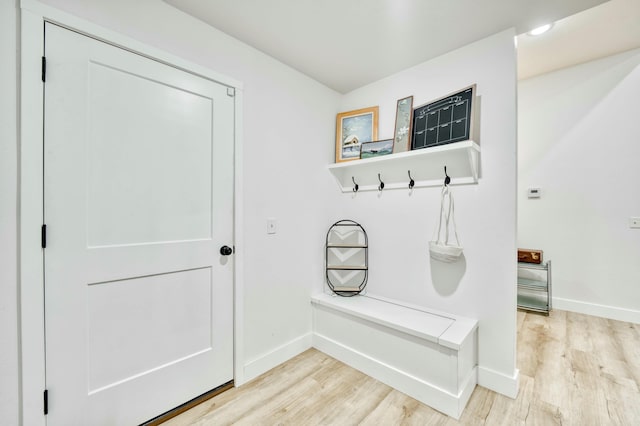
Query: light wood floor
{"x": 574, "y": 369}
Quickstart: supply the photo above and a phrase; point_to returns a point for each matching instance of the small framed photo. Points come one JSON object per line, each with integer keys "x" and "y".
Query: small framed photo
{"x": 402, "y": 133}
{"x": 353, "y": 128}
{"x": 376, "y": 148}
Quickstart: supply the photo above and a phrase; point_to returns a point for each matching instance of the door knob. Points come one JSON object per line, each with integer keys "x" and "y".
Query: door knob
{"x": 226, "y": 250}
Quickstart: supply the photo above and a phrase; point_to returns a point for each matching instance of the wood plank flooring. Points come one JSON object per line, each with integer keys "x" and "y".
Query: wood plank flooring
{"x": 574, "y": 370}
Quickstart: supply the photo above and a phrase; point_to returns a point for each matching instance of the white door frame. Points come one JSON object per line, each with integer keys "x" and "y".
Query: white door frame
{"x": 31, "y": 272}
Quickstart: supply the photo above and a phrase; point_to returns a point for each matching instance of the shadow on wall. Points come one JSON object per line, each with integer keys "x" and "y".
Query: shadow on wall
{"x": 446, "y": 277}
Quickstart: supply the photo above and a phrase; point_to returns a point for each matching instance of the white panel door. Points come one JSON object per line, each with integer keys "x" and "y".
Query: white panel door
{"x": 138, "y": 201}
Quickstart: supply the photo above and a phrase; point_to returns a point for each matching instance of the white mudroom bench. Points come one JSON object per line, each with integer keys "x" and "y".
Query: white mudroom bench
{"x": 429, "y": 356}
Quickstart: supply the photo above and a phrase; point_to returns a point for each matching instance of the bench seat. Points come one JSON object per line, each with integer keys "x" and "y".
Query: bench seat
{"x": 428, "y": 355}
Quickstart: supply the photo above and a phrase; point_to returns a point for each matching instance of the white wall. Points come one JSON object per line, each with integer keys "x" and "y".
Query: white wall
{"x": 8, "y": 217}
{"x": 400, "y": 225}
{"x": 288, "y": 140}
{"x": 578, "y": 141}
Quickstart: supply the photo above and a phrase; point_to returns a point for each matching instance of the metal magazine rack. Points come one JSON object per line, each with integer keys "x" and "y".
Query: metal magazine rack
{"x": 346, "y": 258}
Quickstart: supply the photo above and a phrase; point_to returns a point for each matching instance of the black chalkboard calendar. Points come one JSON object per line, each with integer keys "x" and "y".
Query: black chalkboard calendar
{"x": 446, "y": 120}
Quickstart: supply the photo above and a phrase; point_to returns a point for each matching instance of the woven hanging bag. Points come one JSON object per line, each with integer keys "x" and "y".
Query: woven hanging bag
{"x": 441, "y": 249}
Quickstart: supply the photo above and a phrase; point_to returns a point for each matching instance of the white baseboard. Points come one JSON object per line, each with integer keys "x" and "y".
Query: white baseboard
{"x": 604, "y": 311}
{"x": 499, "y": 382}
{"x": 437, "y": 398}
{"x": 266, "y": 362}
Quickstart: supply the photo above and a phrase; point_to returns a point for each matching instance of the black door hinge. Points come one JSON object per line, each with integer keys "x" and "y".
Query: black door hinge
{"x": 46, "y": 402}
{"x": 44, "y": 69}
{"x": 44, "y": 236}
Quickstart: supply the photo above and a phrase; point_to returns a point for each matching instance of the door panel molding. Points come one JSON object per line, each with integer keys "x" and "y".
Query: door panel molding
{"x": 31, "y": 272}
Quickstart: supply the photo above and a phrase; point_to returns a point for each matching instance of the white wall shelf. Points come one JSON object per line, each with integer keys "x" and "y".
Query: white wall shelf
{"x": 426, "y": 166}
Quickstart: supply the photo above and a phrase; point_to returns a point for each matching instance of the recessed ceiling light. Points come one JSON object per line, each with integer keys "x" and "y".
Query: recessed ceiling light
{"x": 540, "y": 30}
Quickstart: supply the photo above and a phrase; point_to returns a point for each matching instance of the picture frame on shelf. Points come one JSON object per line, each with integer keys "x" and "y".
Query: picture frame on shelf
{"x": 353, "y": 128}
{"x": 445, "y": 120}
{"x": 404, "y": 123}
{"x": 376, "y": 148}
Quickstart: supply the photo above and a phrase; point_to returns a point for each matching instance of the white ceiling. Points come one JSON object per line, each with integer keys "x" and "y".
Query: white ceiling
{"x": 604, "y": 30}
{"x": 346, "y": 44}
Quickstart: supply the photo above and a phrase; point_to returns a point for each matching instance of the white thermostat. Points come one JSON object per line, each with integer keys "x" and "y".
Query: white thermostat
{"x": 533, "y": 193}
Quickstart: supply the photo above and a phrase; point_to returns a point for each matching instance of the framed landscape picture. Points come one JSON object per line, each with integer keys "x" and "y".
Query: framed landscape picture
{"x": 353, "y": 128}
{"x": 402, "y": 133}
{"x": 376, "y": 148}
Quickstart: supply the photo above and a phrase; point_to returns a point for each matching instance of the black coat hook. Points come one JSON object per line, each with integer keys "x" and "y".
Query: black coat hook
{"x": 381, "y": 186}
{"x": 355, "y": 185}
{"x": 411, "y": 181}
{"x": 447, "y": 179}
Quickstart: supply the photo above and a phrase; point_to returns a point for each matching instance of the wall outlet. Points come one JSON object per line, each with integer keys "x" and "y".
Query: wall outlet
{"x": 271, "y": 225}
{"x": 634, "y": 222}
{"x": 534, "y": 193}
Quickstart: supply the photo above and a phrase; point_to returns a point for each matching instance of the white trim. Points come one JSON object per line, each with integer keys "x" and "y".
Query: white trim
{"x": 603, "y": 311}
{"x": 437, "y": 398}
{"x": 238, "y": 239}
{"x": 31, "y": 191}
{"x": 33, "y": 16}
{"x": 272, "y": 359}
{"x": 498, "y": 382}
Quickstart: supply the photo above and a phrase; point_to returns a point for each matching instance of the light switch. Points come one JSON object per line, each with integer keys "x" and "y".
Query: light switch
{"x": 271, "y": 225}
{"x": 634, "y": 222}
